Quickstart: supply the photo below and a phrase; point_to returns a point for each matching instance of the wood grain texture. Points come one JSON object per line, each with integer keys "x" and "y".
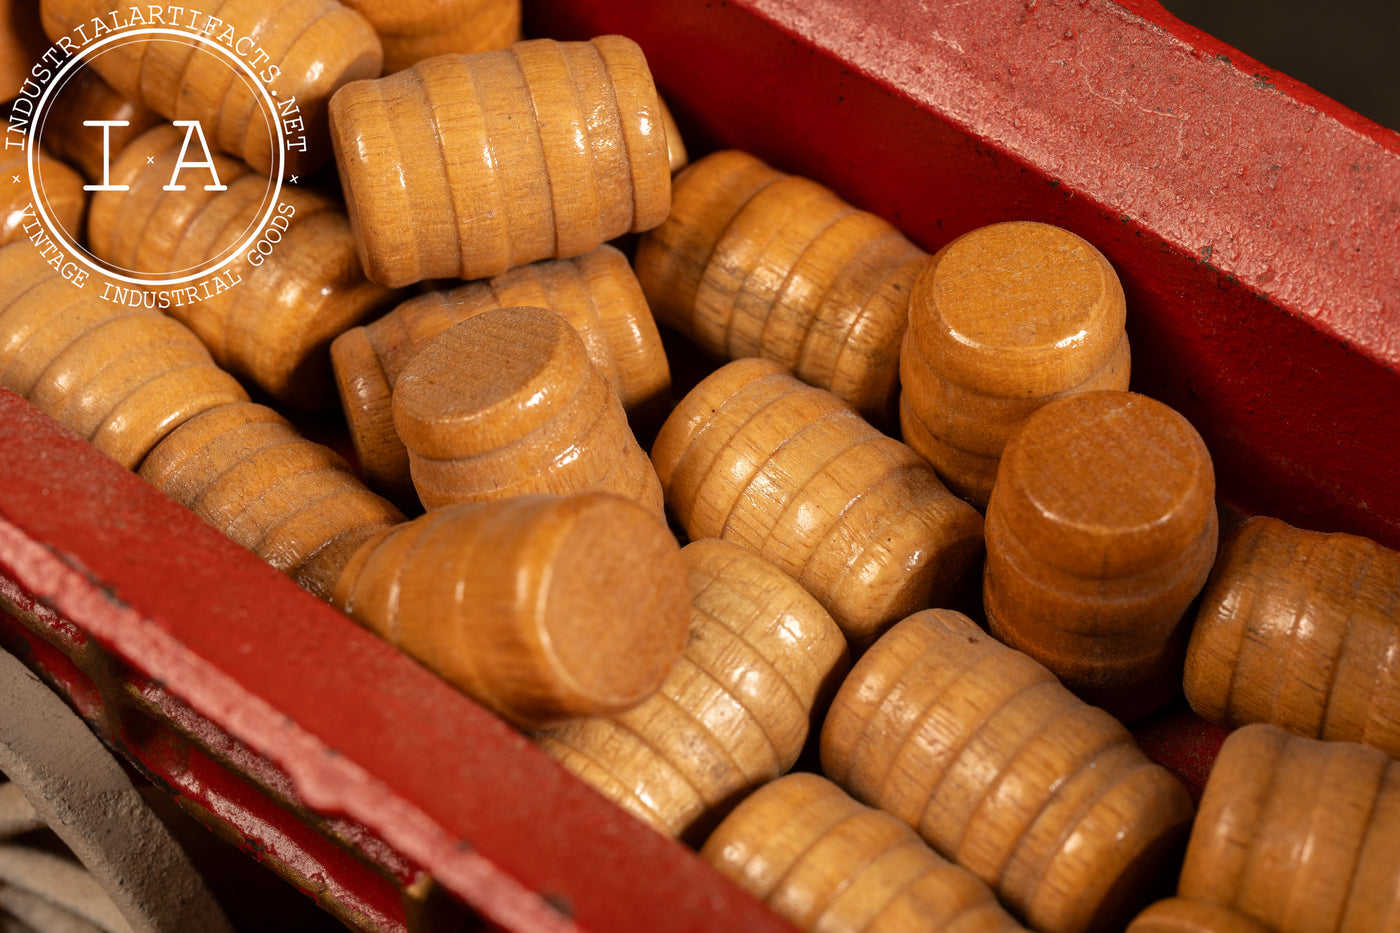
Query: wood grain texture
{"x": 412, "y": 30}
{"x": 754, "y": 456}
{"x": 1180, "y": 915}
{"x": 315, "y": 45}
{"x": 541, "y": 607}
{"x": 508, "y": 403}
{"x": 119, "y": 377}
{"x": 86, "y": 97}
{"x": 760, "y": 664}
{"x": 1299, "y": 834}
{"x": 65, "y": 201}
{"x": 596, "y": 293}
{"x": 753, "y": 262}
{"x": 1003, "y": 320}
{"x": 245, "y": 470}
{"x": 1004, "y": 771}
{"x": 275, "y": 326}
{"x": 1101, "y": 530}
{"x": 1301, "y": 629}
{"x": 466, "y": 166}
{"x": 831, "y": 865}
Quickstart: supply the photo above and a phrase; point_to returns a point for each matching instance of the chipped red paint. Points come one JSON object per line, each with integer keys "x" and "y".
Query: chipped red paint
{"x": 1253, "y": 221}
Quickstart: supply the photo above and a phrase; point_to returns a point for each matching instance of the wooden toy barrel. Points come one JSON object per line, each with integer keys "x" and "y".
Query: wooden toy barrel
{"x": 754, "y": 456}
{"x": 760, "y": 664}
{"x": 292, "y": 292}
{"x": 245, "y": 470}
{"x": 1004, "y": 771}
{"x": 1298, "y": 628}
{"x": 1299, "y": 834}
{"x": 119, "y": 377}
{"x": 827, "y": 863}
{"x": 592, "y": 163}
{"x": 541, "y": 607}
{"x": 754, "y": 262}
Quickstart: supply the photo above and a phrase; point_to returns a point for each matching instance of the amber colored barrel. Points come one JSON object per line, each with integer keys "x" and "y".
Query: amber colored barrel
{"x": 120, "y": 377}
{"x": 596, "y": 293}
{"x": 791, "y": 472}
{"x": 1101, "y": 530}
{"x": 1180, "y": 915}
{"x": 64, "y": 199}
{"x": 1301, "y": 629}
{"x": 507, "y": 403}
{"x": 87, "y": 98}
{"x": 302, "y": 50}
{"x": 292, "y": 292}
{"x": 1299, "y": 834}
{"x": 828, "y": 864}
{"x": 296, "y": 504}
{"x": 542, "y": 608}
{"x": 1007, "y": 773}
{"x": 466, "y": 166}
{"x": 753, "y": 262}
{"x": 412, "y": 30}
{"x": 762, "y": 659}
{"x": 1003, "y": 320}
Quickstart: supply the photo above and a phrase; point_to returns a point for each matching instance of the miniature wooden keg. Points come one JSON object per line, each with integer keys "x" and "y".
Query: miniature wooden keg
{"x": 596, "y": 293}
{"x": 791, "y": 472}
{"x": 830, "y": 865}
{"x": 1007, "y": 773}
{"x": 64, "y": 198}
{"x": 302, "y": 51}
{"x": 296, "y": 504}
{"x": 763, "y": 657}
{"x": 412, "y": 30}
{"x": 508, "y": 403}
{"x": 466, "y": 166}
{"x": 753, "y": 262}
{"x": 1100, "y": 532}
{"x": 1301, "y": 629}
{"x": 1299, "y": 834}
{"x": 86, "y": 97}
{"x": 1179, "y": 915}
{"x": 271, "y": 314}
{"x": 542, "y": 608}
{"x": 119, "y": 377}
{"x": 1003, "y": 320}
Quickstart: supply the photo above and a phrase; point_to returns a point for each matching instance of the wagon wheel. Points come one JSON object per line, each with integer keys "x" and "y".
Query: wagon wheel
{"x": 134, "y": 877}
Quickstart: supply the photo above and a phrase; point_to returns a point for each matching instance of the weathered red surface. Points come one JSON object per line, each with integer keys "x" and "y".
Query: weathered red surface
{"x": 1255, "y": 223}
{"x": 358, "y": 730}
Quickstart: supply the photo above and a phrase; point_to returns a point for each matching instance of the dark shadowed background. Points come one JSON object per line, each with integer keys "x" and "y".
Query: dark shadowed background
{"x": 1347, "y": 49}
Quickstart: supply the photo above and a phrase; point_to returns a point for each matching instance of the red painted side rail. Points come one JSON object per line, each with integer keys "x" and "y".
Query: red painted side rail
{"x": 1255, "y": 223}
{"x": 358, "y": 730}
